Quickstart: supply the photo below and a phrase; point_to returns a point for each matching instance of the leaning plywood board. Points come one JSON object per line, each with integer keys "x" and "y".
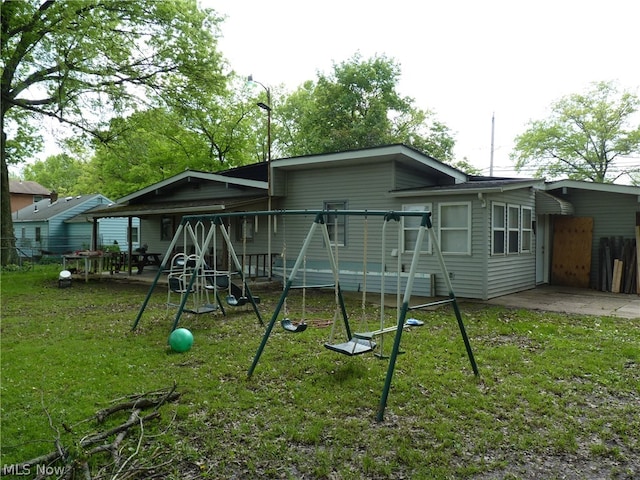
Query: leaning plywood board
{"x": 572, "y": 243}
{"x": 618, "y": 267}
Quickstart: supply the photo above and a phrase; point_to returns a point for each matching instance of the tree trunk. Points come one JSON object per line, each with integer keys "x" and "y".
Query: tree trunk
{"x": 7, "y": 239}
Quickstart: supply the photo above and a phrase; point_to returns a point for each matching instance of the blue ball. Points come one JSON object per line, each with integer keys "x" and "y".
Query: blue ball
{"x": 180, "y": 340}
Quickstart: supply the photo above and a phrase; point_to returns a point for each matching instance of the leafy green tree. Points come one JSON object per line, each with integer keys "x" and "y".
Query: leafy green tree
{"x": 143, "y": 148}
{"x": 82, "y": 62}
{"x": 585, "y": 137}
{"x": 207, "y": 133}
{"x": 358, "y": 106}
{"x": 225, "y": 122}
{"x": 59, "y": 172}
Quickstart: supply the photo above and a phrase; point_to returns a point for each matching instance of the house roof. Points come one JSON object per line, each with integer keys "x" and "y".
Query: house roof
{"x": 474, "y": 185}
{"x": 255, "y": 171}
{"x": 367, "y": 156}
{"x": 551, "y": 205}
{"x": 170, "y": 208}
{"x": 596, "y": 187}
{"x": 27, "y": 187}
{"x": 194, "y": 177}
{"x": 45, "y": 210}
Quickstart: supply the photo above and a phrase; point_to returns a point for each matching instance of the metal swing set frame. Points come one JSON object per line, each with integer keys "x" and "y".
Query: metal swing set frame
{"x": 358, "y": 343}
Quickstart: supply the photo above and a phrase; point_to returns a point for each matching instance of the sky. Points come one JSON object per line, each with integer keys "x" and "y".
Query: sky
{"x": 468, "y": 61}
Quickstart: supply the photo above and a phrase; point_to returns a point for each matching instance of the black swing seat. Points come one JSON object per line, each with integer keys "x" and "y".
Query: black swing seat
{"x": 355, "y": 346}
{"x": 291, "y": 327}
{"x": 236, "y": 297}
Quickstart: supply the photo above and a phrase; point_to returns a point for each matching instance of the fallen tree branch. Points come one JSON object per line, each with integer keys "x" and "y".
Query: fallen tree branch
{"x": 93, "y": 439}
{"x": 139, "y": 402}
{"x": 72, "y": 468}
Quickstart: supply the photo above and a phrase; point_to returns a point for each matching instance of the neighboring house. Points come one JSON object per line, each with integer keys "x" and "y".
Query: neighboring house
{"x": 59, "y": 227}
{"x": 496, "y": 234}
{"x": 25, "y": 193}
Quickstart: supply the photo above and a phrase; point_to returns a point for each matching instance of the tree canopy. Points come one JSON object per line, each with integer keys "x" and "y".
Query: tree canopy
{"x": 59, "y": 173}
{"x": 589, "y": 136}
{"x": 82, "y": 62}
{"x": 358, "y": 106}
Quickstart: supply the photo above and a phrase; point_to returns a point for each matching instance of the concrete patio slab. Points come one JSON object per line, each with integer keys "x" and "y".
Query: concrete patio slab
{"x": 573, "y": 300}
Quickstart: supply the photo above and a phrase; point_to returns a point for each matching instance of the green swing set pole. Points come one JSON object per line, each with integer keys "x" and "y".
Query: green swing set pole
{"x": 238, "y": 265}
{"x": 270, "y": 325}
{"x": 285, "y": 292}
{"x": 452, "y": 296}
{"x": 403, "y": 314}
{"x": 157, "y": 277}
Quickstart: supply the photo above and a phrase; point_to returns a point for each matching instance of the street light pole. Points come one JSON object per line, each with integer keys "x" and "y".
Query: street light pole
{"x": 267, "y": 107}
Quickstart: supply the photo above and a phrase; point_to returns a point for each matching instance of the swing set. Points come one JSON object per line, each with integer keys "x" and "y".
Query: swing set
{"x": 363, "y": 342}
{"x": 203, "y": 278}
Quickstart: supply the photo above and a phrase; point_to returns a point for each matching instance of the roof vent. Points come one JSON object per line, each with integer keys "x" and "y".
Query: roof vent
{"x": 35, "y": 208}
{"x": 68, "y": 198}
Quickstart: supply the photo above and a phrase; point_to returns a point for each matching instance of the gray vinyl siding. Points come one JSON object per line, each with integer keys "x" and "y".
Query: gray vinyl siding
{"x": 406, "y": 177}
{"x": 360, "y": 189}
{"x": 366, "y": 190}
{"x": 509, "y": 273}
{"x": 466, "y": 272}
{"x": 613, "y": 216}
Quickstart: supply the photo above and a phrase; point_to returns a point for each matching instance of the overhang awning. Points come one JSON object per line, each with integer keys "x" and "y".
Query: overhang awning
{"x": 547, "y": 204}
{"x": 172, "y": 208}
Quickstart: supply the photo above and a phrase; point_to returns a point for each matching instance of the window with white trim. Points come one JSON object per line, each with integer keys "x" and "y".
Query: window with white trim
{"x": 336, "y": 224}
{"x": 527, "y": 230}
{"x": 455, "y": 227}
{"x": 513, "y": 229}
{"x": 498, "y": 230}
{"x": 410, "y": 227}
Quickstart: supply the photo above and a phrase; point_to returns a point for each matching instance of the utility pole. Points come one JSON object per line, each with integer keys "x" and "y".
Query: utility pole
{"x": 493, "y": 128}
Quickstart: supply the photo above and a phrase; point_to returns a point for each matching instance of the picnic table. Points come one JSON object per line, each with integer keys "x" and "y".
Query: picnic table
{"x": 92, "y": 261}
{"x": 142, "y": 259}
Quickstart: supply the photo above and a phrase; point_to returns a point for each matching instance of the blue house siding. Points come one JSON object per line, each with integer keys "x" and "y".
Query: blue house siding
{"x": 58, "y": 234}
{"x": 115, "y": 229}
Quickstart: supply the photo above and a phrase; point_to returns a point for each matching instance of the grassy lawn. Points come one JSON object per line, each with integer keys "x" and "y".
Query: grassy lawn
{"x": 558, "y": 396}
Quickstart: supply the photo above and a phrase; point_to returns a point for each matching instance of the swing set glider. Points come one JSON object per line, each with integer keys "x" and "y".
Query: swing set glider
{"x": 199, "y": 278}
{"x": 360, "y": 343}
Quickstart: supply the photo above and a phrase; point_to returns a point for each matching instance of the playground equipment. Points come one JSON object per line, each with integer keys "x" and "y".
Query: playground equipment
{"x": 190, "y": 277}
{"x": 355, "y": 342}
{"x": 359, "y": 343}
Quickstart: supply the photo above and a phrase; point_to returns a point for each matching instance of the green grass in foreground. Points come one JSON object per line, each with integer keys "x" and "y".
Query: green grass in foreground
{"x": 558, "y": 396}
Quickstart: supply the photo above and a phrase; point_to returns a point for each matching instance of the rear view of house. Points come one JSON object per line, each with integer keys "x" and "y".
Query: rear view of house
{"x": 497, "y": 235}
